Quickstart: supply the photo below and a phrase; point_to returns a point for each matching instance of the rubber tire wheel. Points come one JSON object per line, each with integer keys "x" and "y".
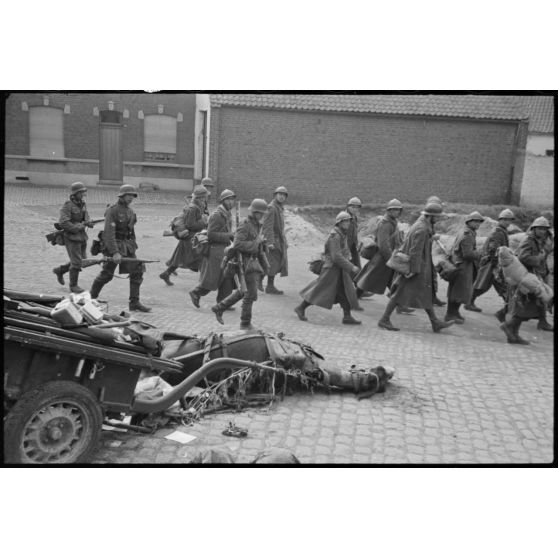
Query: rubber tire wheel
{"x": 48, "y": 394}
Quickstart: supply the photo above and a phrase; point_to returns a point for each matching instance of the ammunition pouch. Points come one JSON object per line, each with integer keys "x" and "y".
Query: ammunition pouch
{"x": 98, "y": 246}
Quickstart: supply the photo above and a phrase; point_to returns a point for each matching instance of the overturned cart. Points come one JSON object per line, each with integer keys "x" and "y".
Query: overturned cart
{"x": 61, "y": 383}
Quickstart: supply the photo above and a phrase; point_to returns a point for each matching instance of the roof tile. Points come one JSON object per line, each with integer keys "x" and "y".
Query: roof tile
{"x": 504, "y": 107}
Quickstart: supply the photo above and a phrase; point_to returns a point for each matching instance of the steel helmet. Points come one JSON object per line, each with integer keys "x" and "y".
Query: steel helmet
{"x": 225, "y": 194}
{"x": 395, "y": 204}
{"x": 200, "y": 191}
{"x": 475, "y": 216}
{"x": 207, "y": 182}
{"x": 281, "y": 190}
{"x": 258, "y": 205}
{"x": 127, "y": 189}
{"x": 540, "y": 222}
{"x": 434, "y": 199}
{"x": 506, "y": 214}
{"x": 355, "y": 201}
{"x": 342, "y": 216}
{"x": 77, "y": 187}
{"x": 433, "y": 209}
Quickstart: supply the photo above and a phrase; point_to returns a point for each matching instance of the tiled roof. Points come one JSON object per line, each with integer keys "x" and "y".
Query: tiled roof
{"x": 540, "y": 110}
{"x": 504, "y": 107}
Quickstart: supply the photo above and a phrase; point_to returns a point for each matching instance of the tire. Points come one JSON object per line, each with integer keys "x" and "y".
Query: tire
{"x": 57, "y": 422}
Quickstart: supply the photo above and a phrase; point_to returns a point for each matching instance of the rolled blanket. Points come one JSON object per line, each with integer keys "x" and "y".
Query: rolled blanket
{"x": 517, "y": 275}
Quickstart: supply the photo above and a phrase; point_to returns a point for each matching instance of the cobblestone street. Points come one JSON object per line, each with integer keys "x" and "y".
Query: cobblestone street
{"x": 462, "y": 396}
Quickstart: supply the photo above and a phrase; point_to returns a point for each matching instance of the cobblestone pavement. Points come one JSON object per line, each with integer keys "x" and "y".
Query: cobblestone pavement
{"x": 462, "y": 396}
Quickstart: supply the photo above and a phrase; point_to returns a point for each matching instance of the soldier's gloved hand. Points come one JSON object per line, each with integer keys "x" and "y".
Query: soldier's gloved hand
{"x": 117, "y": 258}
{"x": 89, "y": 224}
{"x": 409, "y": 275}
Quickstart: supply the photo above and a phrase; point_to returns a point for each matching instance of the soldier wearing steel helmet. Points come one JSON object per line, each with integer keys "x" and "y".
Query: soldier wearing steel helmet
{"x": 532, "y": 252}
{"x": 489, "y": 273}
{"x": 119, "y": 237}
{"x": 277, "y": 245}
{"x": 248, "y": 247}
{"x": 353, "y": 209}
{"x": 335, "y": 282}
{"x": 416, "y": 289}
{"x": 193, "y": 219}
{"x": 220, "y": 235}
{"x": 376, "y": 276}
{"x": 74, "y": 219}
{"x": 465, "y": 257}
{"x": 436, "y": 301}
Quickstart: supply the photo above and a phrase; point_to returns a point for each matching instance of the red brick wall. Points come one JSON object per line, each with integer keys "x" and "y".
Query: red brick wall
{"x": 326, "y": 158}
{"x": 81, "y": 128}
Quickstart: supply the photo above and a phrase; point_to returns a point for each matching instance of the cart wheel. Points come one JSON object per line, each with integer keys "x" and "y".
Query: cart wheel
{"x": 58, "y": 422}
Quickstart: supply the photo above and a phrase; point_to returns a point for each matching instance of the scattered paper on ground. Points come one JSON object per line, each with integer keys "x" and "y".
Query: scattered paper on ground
{"x": 181, "y": 437}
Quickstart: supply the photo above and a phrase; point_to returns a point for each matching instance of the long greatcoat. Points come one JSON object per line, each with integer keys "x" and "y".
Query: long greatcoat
{"x": 465, "y": 257}
{"x": 274, "y": 233}
{"x": 219, "y": 233}
{"x": 417, "y": 291}
{"x": 352, "y": 241}
{"x": 376, "y": 275}
{"x": 192, "y": 220}
{"x": 489, "y": 260}
{"x": 336, "y": 274}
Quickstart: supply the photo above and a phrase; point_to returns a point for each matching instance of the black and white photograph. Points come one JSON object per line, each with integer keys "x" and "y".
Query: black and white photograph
{"x": 305, "y": 278}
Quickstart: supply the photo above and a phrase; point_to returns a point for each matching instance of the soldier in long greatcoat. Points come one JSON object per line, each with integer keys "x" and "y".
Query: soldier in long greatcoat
{"x": 274, "y": 233}
{"x": 416, "y": 289}
{"x": 219, "y": 236}
{"x": 335, "y": 283}
{"x": 119, "y": 237}
{"x": 489, "y": 273}
{"x": 194, "y": 218}
{"x": 376, "y": 276}
{"x": 74, "y": 219}
{"x": 465, "y": 257}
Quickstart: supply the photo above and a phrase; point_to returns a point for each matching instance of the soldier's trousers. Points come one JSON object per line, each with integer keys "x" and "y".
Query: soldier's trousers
{"x": 107, "y": 274}
{"x": 76, "y": 252}
{"x": 248, "y": 298}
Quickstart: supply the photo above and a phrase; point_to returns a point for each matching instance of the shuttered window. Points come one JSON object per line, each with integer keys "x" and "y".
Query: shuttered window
{"x": 46, "y": 132}
{"x": 159, "y": 137}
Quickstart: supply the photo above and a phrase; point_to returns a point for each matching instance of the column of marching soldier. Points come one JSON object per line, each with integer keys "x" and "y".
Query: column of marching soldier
{"x": 237, "y": 258}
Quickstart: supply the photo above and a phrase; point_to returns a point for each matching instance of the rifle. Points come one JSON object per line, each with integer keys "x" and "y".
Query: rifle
{"x": 92, "y": 221}
{"x": 89, "y": 262}
{"x": 237, "y": 214}
{"x": 168, "y": 233}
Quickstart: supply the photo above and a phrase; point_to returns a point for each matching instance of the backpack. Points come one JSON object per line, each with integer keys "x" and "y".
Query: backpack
{"x": 200, "y": 243}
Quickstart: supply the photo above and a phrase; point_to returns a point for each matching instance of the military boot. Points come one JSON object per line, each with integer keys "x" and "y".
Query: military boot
{"x": 95, "y": 289}
{"x": 246, "y": 315}
{"x": 74, "y": 287}
{"x": 165, "y": 276}
{"x": 137, "y": 306}
{"x": 516, "y": 326}
{"x": 272, "y": 289}
{"x": 501, "y": 315}
{"x": 59, "y": 272}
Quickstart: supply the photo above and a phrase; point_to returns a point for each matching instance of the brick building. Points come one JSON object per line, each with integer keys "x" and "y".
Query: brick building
{"x": 325, "y": 148}
{"x": 538, "y": 176}
{"x": 106, "y": 138}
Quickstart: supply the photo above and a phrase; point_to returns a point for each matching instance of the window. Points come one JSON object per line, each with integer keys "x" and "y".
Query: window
{"x": 159, "y": 138}
{"x": 46, "y": 132}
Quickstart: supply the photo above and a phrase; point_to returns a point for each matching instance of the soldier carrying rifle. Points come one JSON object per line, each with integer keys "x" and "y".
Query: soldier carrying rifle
{"x": 120, "y": 240}
{"x": 74, "y": 219}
